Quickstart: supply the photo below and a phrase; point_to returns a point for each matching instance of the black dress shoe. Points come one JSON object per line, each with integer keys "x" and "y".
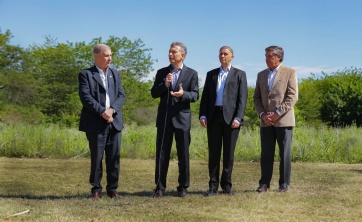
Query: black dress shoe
{"x": 158, "y": 194}
{"x": 182, "y": 193}
{"x": 228, "y": 191}
{"x": 283, "y": 188}
{"x": 96, "y": 195}
{"x": 113, "y": 194}
{"x": 262, "y": 188}
{"x": 211, "y": 192}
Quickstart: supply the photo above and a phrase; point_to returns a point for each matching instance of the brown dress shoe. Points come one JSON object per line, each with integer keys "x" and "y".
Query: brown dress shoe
{"x": 262, "y": 188}
{"x": 182, "y": 193}
{"x": 96, "y": 195}
{"x": 158, "y": 194}
{"x": 283, "y": 188}
{"x": 113, "y": 194}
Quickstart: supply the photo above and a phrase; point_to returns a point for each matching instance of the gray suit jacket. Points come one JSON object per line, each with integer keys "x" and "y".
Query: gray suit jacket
{"x": 235, "y": 95}
{"x": 175, "y": 109}
{"x": 93, "y": 97}
{"x": 282, "y": 96}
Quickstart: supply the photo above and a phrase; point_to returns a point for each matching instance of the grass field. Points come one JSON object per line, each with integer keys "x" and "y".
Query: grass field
{"x": 58, "y": 190}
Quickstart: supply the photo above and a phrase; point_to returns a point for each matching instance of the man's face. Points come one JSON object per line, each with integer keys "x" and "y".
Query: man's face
{"x": 175, "y": 56}
{"x": 272, "y": 60}
{"x": 103, "y": 59}
{"x": 225, "y": 57}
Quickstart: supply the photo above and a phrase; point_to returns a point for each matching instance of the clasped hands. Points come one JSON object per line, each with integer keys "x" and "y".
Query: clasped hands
{"x": 108, "y": 115}
{"x": 270, "y": 117}
{"x": 168, "y": 81}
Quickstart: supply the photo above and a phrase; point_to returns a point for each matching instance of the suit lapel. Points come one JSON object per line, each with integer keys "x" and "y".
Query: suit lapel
{"x": 110, "y": 80}
{"x": 182, "y": 76}
{"x": 264, "y": 79}
{"x": 230, "y": 75}
{"x": 278, "y": 76}
{"x": 97, "y": 76}
{"x": 111, "y": 88}
{"x": 215, "y": 78}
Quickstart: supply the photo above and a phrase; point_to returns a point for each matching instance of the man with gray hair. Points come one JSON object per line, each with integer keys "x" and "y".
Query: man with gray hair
{"x": 275, "y": 95}
{"x": 102, "y": 96}
{"x": 177, "y": 86}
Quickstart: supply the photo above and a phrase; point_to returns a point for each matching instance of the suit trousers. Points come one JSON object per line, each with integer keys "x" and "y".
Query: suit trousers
{"x": 221, "y": 137}
{"x": 107, "y": 142}
{"x": 269, "y": 136}
{"x": 163, "y": 151}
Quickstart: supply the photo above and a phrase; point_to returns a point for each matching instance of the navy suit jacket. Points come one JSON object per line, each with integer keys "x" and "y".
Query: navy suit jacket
{"x": 93, "y": 97}
{"x": 234, "y": 96}
{"x": 175, "y": 109}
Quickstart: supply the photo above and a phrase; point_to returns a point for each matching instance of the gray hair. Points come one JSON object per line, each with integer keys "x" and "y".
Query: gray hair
{"x": 181, "y": 45}
{"x": 277, "y": 50}
{"x": 228, "y": 48}
{"x": 99, "y": 48}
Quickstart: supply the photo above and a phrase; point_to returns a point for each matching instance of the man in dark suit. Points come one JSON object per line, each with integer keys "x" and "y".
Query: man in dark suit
{"x": 102, "y": 95}
{"x": 222, "y": 110}
{"x": 176, "y": 86}
{"x": 275, "y": 95}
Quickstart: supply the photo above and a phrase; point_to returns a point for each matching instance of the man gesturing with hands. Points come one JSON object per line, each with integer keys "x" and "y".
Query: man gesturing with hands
{"x": 177, "y": 86}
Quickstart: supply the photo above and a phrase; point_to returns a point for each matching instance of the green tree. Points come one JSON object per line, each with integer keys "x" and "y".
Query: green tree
{"x": 342, "y": 98}
{"x": 54, "y": 67}
{"x": 251, "y": 117}
{"x": 17, "y": 89}
{"x": 10, "y": 55}
{"x": 310, "y": 95}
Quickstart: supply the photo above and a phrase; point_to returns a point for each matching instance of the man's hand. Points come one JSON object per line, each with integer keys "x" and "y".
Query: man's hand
{"x": 274, "y": 116}
{"x": 108, "y": 115}
{"x": 203, "y": 122}
{"x": 168, "y": 80}
{"x": 266, "y": 117}
{"x": 180, "y": 92}
{"x": 235, "y": 124}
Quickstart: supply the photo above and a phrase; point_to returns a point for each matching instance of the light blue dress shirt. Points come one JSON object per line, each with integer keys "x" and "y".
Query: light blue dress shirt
{"x": 221, "y": 85}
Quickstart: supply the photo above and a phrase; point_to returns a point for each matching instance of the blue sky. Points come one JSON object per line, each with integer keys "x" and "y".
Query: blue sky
{"x": 317, "y": 35}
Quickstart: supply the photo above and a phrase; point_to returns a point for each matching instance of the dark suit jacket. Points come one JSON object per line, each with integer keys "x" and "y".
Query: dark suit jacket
{"x": 235, "y": 95}
{"x": 93, "y": 97}
{"x": 177, "y": 109}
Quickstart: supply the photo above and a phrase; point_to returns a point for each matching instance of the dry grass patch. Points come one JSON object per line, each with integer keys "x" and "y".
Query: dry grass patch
{"x": 58, "y": 190}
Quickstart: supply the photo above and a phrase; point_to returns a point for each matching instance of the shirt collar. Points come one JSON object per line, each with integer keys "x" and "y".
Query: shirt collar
{"x": 276, "y": 69}
{"x": 227, "y": 69}
{"x": 100, "y": 70}
{"x": 180, "y": 68}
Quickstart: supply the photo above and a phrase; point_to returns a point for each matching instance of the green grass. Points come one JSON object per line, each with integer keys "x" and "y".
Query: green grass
{"x": 58, "y": 190}
{"x": 310, "y": 144}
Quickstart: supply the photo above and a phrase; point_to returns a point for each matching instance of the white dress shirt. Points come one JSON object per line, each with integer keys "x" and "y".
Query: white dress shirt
{"x": 105, "y": 84}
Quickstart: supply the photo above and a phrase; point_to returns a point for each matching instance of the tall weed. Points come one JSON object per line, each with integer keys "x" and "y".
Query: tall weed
{"x": 310, "y": 144}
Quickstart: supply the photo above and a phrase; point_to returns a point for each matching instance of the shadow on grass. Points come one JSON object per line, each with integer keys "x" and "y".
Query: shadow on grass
{"x": 88, "y": 196}
{"x": 357, "y": 171}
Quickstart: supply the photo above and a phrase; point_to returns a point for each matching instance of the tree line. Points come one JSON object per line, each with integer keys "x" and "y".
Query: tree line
{"x": 39, "y": 85}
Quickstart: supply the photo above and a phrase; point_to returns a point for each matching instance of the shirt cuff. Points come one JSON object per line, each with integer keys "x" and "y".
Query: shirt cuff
{"x": 238, "y": 119}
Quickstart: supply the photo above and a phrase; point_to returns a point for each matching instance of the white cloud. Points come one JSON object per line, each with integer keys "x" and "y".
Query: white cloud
{"x": 304, "y": 72}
